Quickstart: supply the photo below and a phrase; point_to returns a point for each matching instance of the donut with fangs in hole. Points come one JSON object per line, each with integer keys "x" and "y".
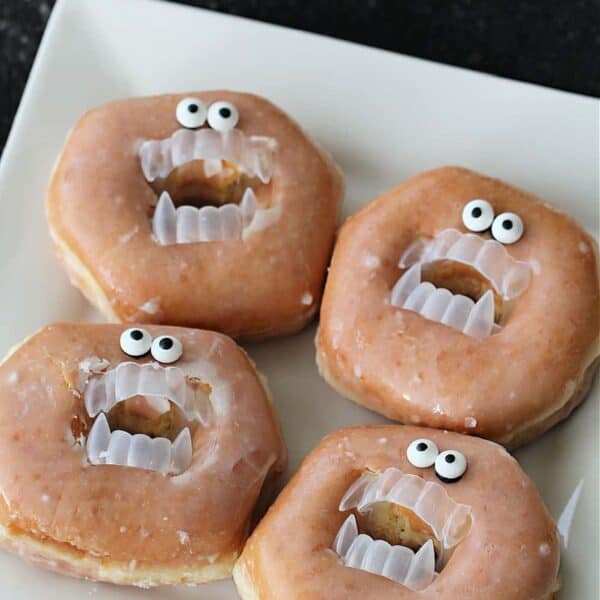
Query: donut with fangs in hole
{"x": 459, "y": 302}
{"x": 399, "y": 512}
{"x": 208, "y": 209}
{"x": 133, "y": 455}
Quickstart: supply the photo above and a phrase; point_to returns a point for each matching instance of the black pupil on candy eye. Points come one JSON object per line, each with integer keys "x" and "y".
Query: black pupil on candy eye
{"x": 166, "y": 343}
{"x": 136, "y": 334}
{"x": 507, "y": 224}
{"x": 476, "y": 212}
{"x": 450, "y": 458}
{"x": 421, "y": 446}
{"x": 193, "y": 108}
{"x": 225, "y": 112}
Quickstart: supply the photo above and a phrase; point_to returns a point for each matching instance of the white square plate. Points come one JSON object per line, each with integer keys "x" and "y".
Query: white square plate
{"x": 384, "y": 117}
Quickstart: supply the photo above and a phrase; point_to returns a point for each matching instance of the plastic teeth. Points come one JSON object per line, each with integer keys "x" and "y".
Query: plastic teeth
{"x": 212, "y": 167}
{"x": 188, "y": 224}
{"x": 104, "y": 447}
{"x": 438, "y": 304}
{"x": 253, "y": 155}
{"x": 158, "y": 384}
{"x": 398, "y": 563}
{"x": 509, "y": 276}
{"x": 449, "y": 520}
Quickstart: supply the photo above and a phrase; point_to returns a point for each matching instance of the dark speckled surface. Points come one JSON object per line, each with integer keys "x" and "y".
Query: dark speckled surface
{"x": 551, "y": 42}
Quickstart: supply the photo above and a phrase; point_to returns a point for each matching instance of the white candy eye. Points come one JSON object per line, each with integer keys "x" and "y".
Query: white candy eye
{"x": 422, "y": 453}
{"x": 135, "y": 342}
{"x": 191, "y": 113}
{"x": 166, "y": 349}
{"x": 507, "y": 228}
{"x": 222, "y": 115}
{"x": 478, "y": 215}
{"x": 450, "y": 465}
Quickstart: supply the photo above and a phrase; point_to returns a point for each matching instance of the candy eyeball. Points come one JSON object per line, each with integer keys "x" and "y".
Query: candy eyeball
{"x": 478, "y": 215}
{"x": 507, "y": 228}
{"x": 450, "y": 465}
{"x": 135, "y": 342}
{"x": 222, "y": 115}
{"x": 167, "y": 349}
{"x": 191, "y": 113}
{"x": 422, "y": 453}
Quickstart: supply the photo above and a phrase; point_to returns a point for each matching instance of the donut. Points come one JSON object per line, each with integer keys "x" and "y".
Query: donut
{"x": 403, "y": 512}
{"x": 459, "y": 302}
{"x": 208, "y": 209}
{"x": 133, "y": 455}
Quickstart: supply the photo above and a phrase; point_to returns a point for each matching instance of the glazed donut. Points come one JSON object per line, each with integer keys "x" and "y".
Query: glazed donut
{"x": 132, "y": 455}
{"x": 459, "y": 302}
{"x": 403, "y": 512}
{"x": 210, "y": 209}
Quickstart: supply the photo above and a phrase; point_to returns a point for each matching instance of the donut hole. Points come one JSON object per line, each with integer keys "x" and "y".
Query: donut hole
{"x": 397, "y": 525}
{"x": 460, "y": 278}
{"x": 154, "y": 417}
{"x": 188, "y": 185}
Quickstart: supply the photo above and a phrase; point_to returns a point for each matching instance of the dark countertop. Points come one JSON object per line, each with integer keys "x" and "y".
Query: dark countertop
{"x": 551, "y": 42}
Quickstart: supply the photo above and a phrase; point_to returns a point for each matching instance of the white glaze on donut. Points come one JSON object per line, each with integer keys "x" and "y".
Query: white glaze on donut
{"x": 141, "y": 208}
{"x": 68, "y": 509}
{"x": 493, "y": 537}
{"x": 410, "y": 358}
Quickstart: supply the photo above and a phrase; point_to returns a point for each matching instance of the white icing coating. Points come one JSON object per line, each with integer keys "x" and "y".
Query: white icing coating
{"x": 535, "y": 266}
{"x": 152, "y": 306}
{"x": 307, "y": 299}
{"x": 184, "y": 537}
{"x": 89, "y": 366}
{"x": 470, "y": 422}
{"x": 123, "y": 239}
{"x": 371, "y": 261}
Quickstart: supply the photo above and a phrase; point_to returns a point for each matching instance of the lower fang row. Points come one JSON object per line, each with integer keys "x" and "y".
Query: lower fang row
{"x": 121, "y": 448}
{"x": 230, "y": 222}
{"x": 415, "y": 570}
{"x": 439, "y": 304}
